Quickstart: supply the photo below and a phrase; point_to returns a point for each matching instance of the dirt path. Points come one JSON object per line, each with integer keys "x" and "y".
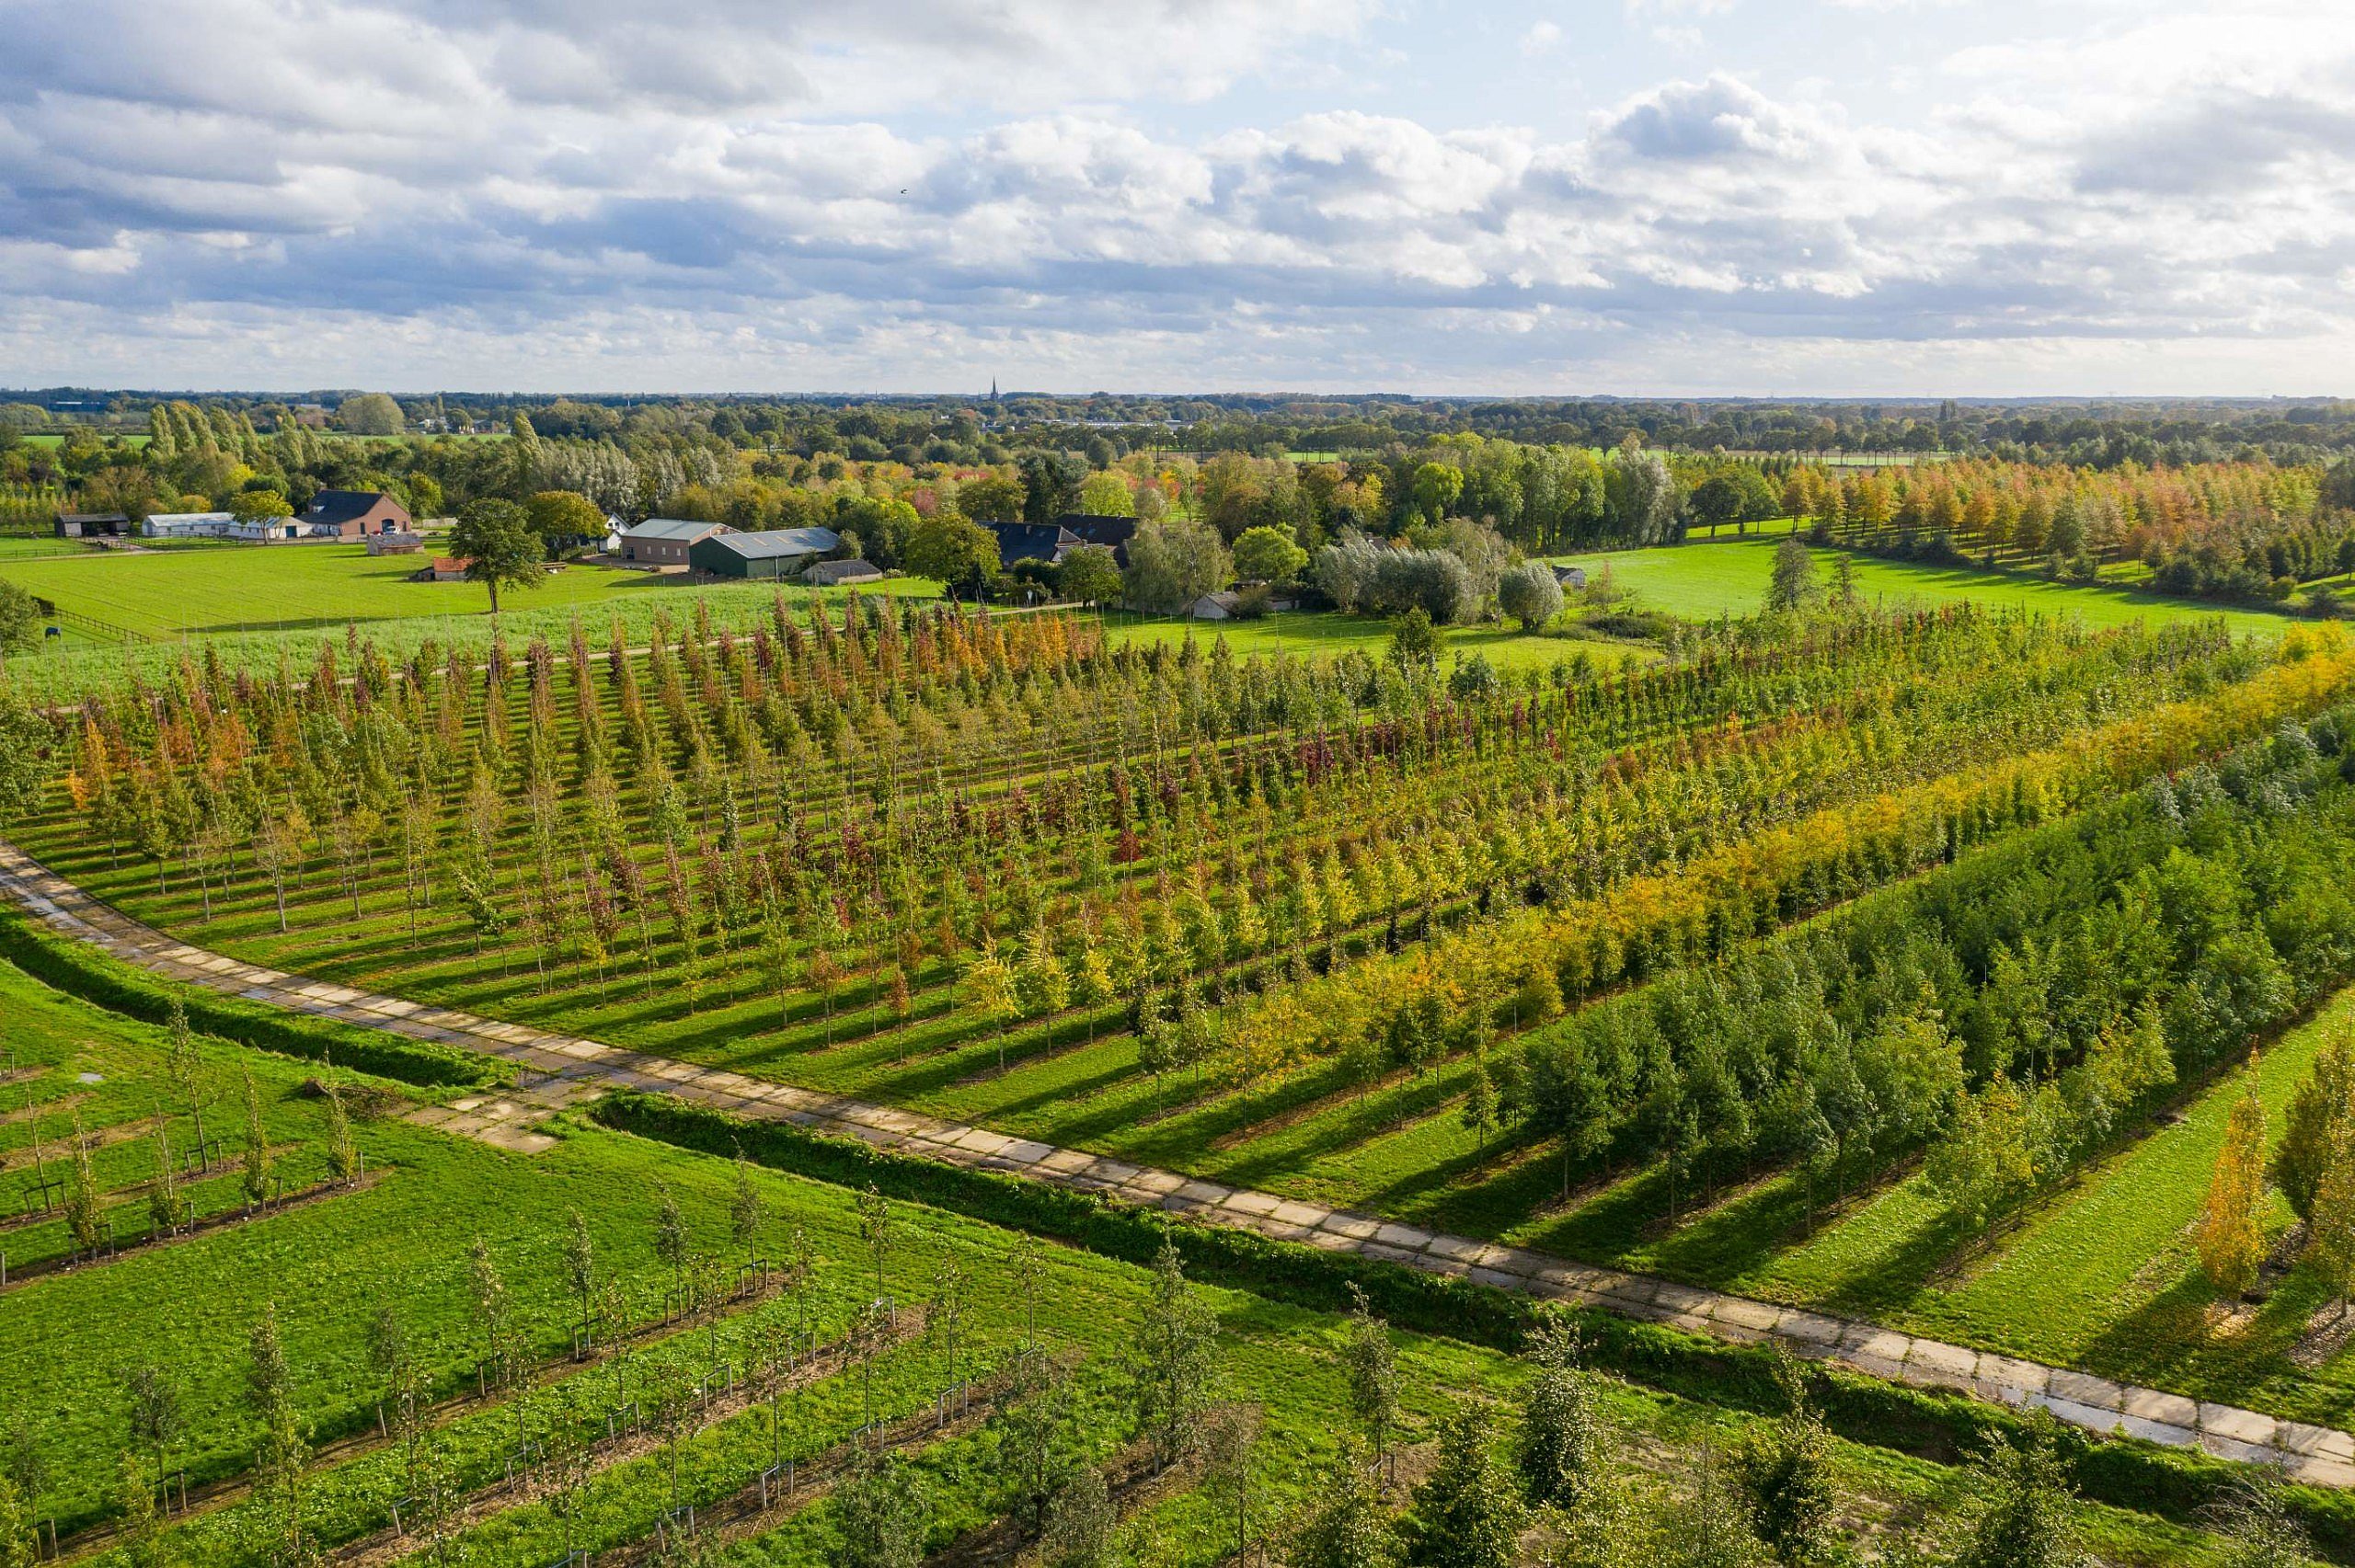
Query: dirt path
{"x": 566, "y": 1071}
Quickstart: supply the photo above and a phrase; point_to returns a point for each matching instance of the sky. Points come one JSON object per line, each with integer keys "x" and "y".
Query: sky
{"x": 1646, "y": 197}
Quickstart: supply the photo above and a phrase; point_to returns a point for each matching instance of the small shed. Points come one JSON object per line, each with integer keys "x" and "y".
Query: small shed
{"x": 1214, "y": 607}
{"x": 1571, "y": 577}
{"x": 395, "y": 543}
{"x": 840, "y": 573}
{"x": 777, "y": 552}
{"x": 442, "y": 568}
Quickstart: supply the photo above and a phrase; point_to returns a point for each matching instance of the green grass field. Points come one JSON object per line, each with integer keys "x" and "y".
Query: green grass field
{"x": 1704, "y": 580}
{"x": 284, "y": 587}
{"x": 326, "y": 1267}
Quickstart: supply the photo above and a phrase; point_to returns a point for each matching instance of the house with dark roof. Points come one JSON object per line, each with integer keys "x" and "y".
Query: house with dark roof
{"x": 665, "y": 540}
{"x": 1093, "y": 528}
{"x": 1045, "y": 542}
{"x": 777, "y": 553}
{"x": 352, "y": 514}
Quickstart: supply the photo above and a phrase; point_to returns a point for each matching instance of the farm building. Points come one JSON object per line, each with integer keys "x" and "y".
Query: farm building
{"x": 665, "y": 540}
{"x": 838, "y": 573}
{"x": 1045, "y": 542}
{"x": 780, "y": 553}
{"x": 1112, "y": 533}
{"x": 395, "y": 543}
{"x": 91, "y": 524}
{"x": 353, "y": 514}
{"x": 442, "y": 568}
{"x": 217, "y": 525}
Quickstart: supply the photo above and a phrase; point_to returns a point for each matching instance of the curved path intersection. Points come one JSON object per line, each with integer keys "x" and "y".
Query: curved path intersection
{"x": 559, "y": 1071}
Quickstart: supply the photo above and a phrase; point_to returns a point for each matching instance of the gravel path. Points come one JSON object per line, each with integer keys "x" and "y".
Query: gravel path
{"x": 559, "y": 1071}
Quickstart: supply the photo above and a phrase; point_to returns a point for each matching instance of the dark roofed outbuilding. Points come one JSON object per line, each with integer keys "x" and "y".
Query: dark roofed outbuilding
{"x": 777, "y": 553}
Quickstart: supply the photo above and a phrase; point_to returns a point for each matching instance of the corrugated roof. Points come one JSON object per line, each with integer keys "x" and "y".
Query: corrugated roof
{"x": 782, "y": 541}
{"x": 672, "y": 528}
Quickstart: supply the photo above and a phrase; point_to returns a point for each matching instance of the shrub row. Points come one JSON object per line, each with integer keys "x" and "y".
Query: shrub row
{"x": 2170, "y": 1484}
{"x": 97, "y": 977}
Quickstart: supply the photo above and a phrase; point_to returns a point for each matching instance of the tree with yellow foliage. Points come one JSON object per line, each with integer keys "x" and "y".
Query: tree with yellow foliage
{"x": 2232, "y": 1243}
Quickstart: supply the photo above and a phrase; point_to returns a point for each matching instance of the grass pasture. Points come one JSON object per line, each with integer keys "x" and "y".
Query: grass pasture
{"x": 303, "y": 587}
{"x": 1704, "y": 580}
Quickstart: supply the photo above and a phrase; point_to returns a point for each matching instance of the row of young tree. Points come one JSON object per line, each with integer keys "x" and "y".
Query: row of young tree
{"x": 2235, "y": 531}
{"x": 1135, "y": 861}
{"x": 1805, "y": 820}
{"x": 2012, "y": 1011}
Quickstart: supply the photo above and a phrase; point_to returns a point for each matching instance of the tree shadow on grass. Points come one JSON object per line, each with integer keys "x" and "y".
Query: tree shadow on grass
{"x": 2168, "y": 1342}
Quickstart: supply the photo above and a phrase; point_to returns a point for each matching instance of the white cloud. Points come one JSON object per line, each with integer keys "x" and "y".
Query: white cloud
{"x": 566, "y": 192}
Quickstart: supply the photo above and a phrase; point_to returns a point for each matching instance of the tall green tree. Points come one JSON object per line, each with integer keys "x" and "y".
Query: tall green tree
{"x": 501, "y": 549}
{"x": 1173, "y": 1360}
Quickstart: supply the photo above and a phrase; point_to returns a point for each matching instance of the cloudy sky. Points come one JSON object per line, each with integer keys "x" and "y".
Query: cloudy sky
{"x": 1646, "y": 197}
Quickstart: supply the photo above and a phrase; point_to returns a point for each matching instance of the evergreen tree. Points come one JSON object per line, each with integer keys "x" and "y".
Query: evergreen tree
{"x": 2330, "y": 1228}
{"x": 2323, "y": 1102}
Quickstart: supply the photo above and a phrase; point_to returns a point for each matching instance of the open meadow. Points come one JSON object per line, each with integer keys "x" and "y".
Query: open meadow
{"x": 1704, "y": 578}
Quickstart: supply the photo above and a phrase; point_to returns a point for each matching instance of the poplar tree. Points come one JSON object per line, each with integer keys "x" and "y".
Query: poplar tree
{"x": 2330, "y": 1225}
{"x": 875, "y": 1231}
{"x": 1372, "y": 1373}
{"x": 2231, "y": 1242}
{"x": 168, "y": 1206}
{"x": 343, "y": 1152}
{"x": 282, "y": 1453}
{"x": 581, "y": 1266}
{"x": 83, "y": 1215}
{"x": 256, "y": 1156}
{"x": 746, "y": 1211}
